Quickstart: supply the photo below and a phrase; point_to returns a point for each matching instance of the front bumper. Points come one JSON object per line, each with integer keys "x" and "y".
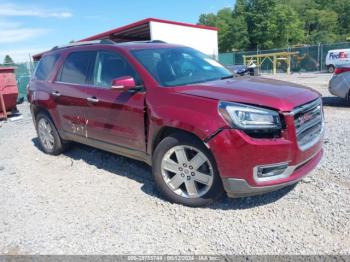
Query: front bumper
{"x": 238, "y": 155}
{"x": 240, "y": 187}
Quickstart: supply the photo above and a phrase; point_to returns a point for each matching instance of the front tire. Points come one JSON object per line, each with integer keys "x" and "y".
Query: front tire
{"x": 185, "y": 171}
{"x": 49, "y": 139}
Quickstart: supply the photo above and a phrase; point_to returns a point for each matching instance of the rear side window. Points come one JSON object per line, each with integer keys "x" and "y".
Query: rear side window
{"x": 77, "y": 68}
{"x": 45, "y": 67}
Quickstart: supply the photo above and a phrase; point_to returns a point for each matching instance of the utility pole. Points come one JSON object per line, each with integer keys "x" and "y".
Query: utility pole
{"x": 318, "y": 57}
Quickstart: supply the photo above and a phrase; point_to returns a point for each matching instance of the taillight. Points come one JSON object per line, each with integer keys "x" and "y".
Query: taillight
{"x": 341, "y": 70}
{"x": 28, "y": 93}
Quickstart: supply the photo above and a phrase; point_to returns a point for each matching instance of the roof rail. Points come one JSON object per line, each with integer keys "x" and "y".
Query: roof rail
{"x": 144, "y": 42}
{"x": 102, "y": 42}
{"x": 158, "y": 41}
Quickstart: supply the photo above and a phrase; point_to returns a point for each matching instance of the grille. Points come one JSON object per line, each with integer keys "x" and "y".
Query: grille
{"x": 308, "y": 120}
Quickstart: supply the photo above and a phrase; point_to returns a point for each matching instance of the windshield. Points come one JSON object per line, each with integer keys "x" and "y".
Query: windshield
{"x": 180, "y": 66}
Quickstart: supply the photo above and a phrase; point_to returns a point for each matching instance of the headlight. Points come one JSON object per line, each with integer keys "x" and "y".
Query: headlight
{"x": 249, "y": 117}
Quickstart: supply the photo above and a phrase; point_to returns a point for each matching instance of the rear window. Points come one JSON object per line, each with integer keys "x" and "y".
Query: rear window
{"x": 45, "y": 67}
{"x": 77, "y": 68}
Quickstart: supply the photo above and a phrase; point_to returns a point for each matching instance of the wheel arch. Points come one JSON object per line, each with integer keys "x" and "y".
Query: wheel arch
{"x": 331, "y": 66}
{"x": 216, "y": 189}
{"x": 37, "y": 109}
{"x": 167, "y": 131}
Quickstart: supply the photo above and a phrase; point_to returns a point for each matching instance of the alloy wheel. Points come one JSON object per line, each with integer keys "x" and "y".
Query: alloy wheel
{"x": 46, "y": 134}
{"x": 187, "y": 171}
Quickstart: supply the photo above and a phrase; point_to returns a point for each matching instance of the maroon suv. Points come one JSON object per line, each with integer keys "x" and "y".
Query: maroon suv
{"x": 203, "y": 131}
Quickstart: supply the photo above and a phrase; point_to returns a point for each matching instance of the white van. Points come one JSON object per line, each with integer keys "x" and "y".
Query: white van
{"x": 337, "y": 57}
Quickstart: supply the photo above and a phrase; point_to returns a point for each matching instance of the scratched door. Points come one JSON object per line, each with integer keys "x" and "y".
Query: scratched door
{"x": 70, "y": 91}
{"x": 114, "y": 116}
{"x": 70, "y": 103}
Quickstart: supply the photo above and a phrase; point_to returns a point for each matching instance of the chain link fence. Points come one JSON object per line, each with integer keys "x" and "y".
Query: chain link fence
{"x": 23, "y": 74}
{"x": 309, "y": 58}
{"x": 22, "y": 82}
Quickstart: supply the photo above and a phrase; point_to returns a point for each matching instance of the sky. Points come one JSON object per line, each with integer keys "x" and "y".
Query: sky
{"x": 29, "y": 27}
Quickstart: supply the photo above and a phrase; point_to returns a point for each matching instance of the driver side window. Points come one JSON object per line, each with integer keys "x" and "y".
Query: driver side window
{"x": 109, "y": 66}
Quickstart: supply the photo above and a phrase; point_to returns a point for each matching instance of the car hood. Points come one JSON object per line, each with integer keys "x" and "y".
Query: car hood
{"x": 261, "y": 91}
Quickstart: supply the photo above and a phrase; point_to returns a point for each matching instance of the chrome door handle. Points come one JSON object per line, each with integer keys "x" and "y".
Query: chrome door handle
{"x": 56, "y": 93}
{"x": 92, "y": 99}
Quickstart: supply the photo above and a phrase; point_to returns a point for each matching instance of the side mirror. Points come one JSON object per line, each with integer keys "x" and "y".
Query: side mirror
{"x": 123, "y": 83}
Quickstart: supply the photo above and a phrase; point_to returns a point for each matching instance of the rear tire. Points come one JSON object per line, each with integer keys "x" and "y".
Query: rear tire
{"x": 331, "y": 69}
{"x": 185, "y": 171}
{"x": 49, "y": 139}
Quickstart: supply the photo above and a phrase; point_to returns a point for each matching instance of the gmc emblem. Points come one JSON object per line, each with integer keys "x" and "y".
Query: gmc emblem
{"x": 305, "y": 118}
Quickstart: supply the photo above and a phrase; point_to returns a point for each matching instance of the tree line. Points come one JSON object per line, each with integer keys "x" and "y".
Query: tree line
{"x": 21, "y": 69}
{"x": 8, "y": 61}
{"x": 266, "y": 24}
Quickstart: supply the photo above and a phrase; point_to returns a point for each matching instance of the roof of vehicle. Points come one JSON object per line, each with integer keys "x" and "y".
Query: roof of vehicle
{"x": 126, "y": 45}
{"x": 146, "y": 45}
{"x": 339, "y": 50}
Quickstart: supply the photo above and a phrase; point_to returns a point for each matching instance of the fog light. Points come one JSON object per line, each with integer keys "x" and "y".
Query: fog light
{"x": 269, "y": 171}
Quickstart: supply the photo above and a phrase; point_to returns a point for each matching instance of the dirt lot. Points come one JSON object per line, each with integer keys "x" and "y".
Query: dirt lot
{"x": 90, "y": 202}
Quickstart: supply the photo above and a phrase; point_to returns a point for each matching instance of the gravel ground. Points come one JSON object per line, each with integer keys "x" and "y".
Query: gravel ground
{"x": 91, "y": 202}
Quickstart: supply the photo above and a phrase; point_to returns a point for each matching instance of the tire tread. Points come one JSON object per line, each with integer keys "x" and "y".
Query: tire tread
{"x": 213, "y": 194}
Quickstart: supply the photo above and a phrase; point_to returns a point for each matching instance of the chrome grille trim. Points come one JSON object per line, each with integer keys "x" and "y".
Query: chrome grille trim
{"x": 306, "y": 106}
{"x": 309, "y": 123}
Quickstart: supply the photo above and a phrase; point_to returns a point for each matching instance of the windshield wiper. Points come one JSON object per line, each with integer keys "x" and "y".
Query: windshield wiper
{"x": 226, "y": 77}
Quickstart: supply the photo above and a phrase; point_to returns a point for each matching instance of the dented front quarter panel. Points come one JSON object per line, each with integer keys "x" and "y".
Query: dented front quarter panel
{"x": 168, "y": 108}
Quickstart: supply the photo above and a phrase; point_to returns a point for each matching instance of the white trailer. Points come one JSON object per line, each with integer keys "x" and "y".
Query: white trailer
{"x": 202, "y": 38}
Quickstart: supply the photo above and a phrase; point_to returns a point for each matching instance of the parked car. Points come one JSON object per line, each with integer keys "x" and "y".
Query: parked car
{"x": 202, "y": 131}
{"x": 337, "y": 58}
{"x": 339, "y": 85}
{"x": 241, "y": 70}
